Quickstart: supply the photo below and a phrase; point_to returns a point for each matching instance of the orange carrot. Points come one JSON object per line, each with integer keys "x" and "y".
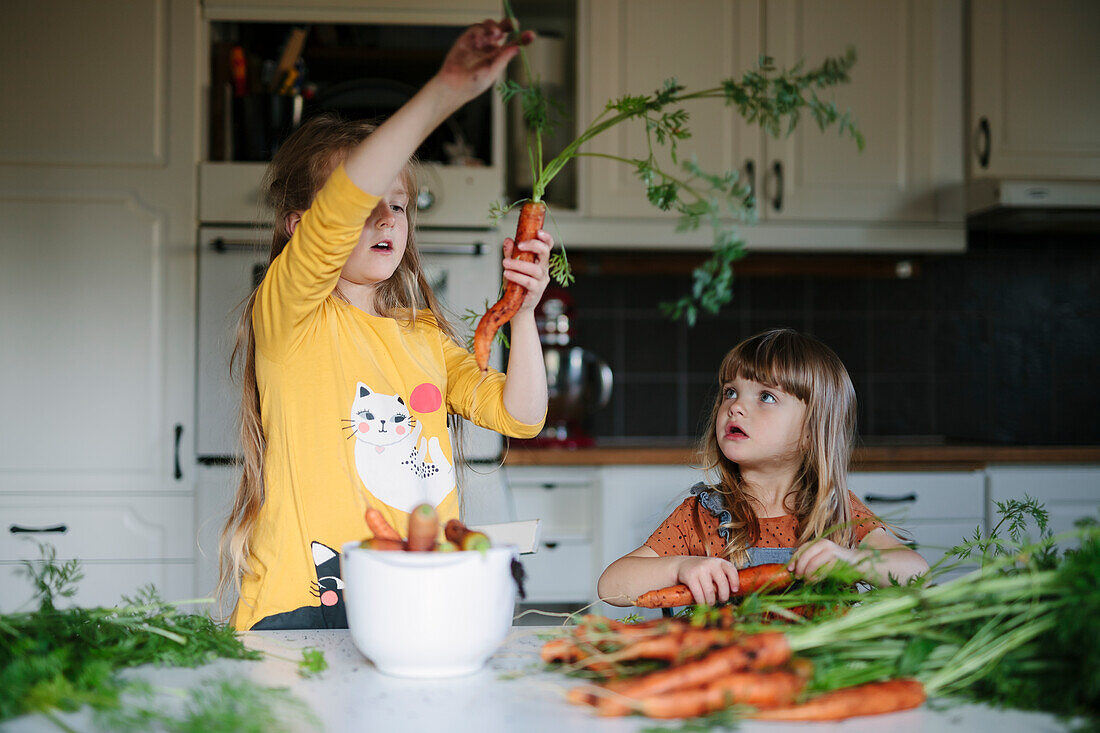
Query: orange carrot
{"x": 531, "y": 218}
{"x": 423, "y": 527}
{"x": 873, "y": 698}
{"x": 759, "y": 689}
{"x": 383, "y": 543}
{"x": 760, "y": 651}
{"x": 464, "y": 537}
{"x": 562, "y": 649}
{"x": 770, "y": 576}
{"x": 677, "y": 646}
{"x": 379, "y": 526}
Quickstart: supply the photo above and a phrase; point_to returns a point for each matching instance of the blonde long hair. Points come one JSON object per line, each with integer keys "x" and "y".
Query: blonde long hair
{"x": 296, "y": 174}
{"x": 808, "y": 369}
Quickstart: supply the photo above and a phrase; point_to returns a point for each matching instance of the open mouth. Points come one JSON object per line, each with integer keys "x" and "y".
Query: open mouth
{"x": 735, "y": 432}
{"x": 383, "y": 246}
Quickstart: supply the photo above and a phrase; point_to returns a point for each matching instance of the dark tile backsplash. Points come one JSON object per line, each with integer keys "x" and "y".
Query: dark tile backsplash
{"x": 1001, "y": 344}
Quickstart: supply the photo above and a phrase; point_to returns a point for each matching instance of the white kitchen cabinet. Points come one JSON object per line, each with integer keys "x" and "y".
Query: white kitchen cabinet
{"x": 1068, "y": 493}
{"x": 934, "y": 510}
{"x": 123, "y": 542}
{"x": 1034, "y": 89}
{"x": 565, "y": 499}
{"x": 97, "y": 270}
{"x": 906, "y": 94}
{"x": 458, "y": 12}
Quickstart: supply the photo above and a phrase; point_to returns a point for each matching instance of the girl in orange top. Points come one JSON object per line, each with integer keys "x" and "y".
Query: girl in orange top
{"x": 782, "y": 429}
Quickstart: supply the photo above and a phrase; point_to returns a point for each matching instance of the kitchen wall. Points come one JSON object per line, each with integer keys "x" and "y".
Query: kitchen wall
{"x": 1001, "y": 344}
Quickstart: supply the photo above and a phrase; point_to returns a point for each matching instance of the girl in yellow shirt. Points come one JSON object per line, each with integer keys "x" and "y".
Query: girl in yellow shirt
{"x": 349, "y": 369}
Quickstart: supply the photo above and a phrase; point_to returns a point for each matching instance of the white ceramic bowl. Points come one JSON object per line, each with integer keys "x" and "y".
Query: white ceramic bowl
{"x": 428, "y": 614}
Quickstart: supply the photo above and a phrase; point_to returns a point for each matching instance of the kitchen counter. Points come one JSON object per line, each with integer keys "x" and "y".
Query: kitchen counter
{"x": 871, "y": 456}
{"x": 351, "y": 695}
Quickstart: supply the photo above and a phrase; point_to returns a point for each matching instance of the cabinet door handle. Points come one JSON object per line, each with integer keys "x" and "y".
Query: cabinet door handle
{"x": 56, "y": 529}
{"x": 178, "y": 474}
{"x": 550, "y": 545}
{"x": 549, "y": 487}
{"x": 750, "y": 178}
{"x": 984, "y": 142}
{"x": 888, "y": 499}
{"x": 777, "y": 170}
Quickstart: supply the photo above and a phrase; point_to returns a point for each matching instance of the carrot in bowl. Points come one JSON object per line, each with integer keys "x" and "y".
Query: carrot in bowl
{"x": 423, "y": 527}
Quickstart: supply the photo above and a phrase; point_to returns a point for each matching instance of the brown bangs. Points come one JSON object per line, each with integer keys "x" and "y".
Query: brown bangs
{"x": 776, "y": 359}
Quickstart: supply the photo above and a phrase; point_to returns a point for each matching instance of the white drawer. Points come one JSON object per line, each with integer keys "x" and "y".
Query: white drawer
{"x": 904, "y": 497}
{"x": 935, "y": 538}
{"x": 90, "y": 528}
{"x": 103, "y": 584}
{"x": 560, "y": 572}
{"x": 564, "y": 510}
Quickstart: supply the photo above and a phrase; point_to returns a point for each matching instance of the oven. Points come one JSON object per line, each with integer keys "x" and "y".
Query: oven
{"x": 462, "y": 266}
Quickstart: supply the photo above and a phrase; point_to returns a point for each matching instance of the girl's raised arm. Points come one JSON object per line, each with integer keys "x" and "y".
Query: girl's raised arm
{"x": 475, "y": 61}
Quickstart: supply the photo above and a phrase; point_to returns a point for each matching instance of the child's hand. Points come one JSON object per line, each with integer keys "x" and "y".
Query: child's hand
{"x": 709, "y": 579}
{"x": 813, "y": 559}
{"x": 534, "y": 276}
{"x": 479, "y": 56}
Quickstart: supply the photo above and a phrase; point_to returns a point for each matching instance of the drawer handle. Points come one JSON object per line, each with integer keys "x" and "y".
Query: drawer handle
{"x": 56, "y": 529}
{"x": 884, "y": 499}
{"x": 550, "y": 545}
{"x": 549, "y": 487}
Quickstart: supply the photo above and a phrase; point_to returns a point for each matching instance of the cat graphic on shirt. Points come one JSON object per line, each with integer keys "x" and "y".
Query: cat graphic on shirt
{"x": 395, "y": 464}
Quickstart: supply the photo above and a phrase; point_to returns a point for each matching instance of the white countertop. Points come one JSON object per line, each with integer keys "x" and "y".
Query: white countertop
{"x": 351, "y": 695}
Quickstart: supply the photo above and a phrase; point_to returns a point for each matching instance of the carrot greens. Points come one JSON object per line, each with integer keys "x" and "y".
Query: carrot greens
{"x": 56, "y": 660}
{"x": 766, "y": 96}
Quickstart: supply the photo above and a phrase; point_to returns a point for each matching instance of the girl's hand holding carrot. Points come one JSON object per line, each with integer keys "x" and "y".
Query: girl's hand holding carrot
{"x": 531, "y": 274}
{"x": 710, "y": 579}
{"x": 814, "y": 559}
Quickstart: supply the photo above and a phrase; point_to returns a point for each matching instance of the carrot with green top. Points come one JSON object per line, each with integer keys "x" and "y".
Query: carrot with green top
{"x": 873, "y": 698}
{"x": 759, "y": 689}
{"x": 531, "y": 219}
{"x": 757, "y": 579}
{"x": 423, "y": 528}
{"x": 464, "y": 537}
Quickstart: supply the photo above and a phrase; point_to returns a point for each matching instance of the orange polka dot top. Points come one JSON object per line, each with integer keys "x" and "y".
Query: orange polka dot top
{"x": 678, "y": 535}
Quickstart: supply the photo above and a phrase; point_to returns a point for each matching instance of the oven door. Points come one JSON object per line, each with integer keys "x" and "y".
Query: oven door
{"x": 461, "y": 267}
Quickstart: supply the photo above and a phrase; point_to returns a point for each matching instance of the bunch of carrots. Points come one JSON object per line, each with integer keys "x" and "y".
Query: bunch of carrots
{"x": 1017, "y": 631}
{"x": 682, "y": 668}
{"x": 423, "y": 533}
{"x": 702, "y": 670}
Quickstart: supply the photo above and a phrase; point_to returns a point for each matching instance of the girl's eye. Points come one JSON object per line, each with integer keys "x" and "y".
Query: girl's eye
{"x": 729, "y": 393}
{"x": 398, "y": 208}
{"x": 767, "y": 397}
{"x": 398, "y": 418}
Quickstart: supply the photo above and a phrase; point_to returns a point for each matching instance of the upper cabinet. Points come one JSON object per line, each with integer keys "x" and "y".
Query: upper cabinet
{"x": 273, "y": 65}
{"x": 435, "y": 12}
{"x": 1035, "y": 88}
{"x": 905, "y": 94}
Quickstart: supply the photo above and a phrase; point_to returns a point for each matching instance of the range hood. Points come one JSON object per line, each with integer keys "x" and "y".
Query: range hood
{"x": 1033, "y": 205}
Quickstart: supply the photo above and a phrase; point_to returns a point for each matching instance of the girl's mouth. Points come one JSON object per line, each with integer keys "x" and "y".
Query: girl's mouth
{"x": 735, "y": 433}
{"x": 383, "y": 246}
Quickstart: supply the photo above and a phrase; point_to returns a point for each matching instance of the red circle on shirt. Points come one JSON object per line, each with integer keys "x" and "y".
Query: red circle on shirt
{"x": 425, "y": 398}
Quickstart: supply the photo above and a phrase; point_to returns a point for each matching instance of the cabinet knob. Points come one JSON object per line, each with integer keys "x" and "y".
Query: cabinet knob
{"x": 425, "y": 199}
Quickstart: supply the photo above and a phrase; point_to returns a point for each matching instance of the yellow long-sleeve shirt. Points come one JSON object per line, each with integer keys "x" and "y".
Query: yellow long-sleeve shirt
{"x": 354, "y": 410}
